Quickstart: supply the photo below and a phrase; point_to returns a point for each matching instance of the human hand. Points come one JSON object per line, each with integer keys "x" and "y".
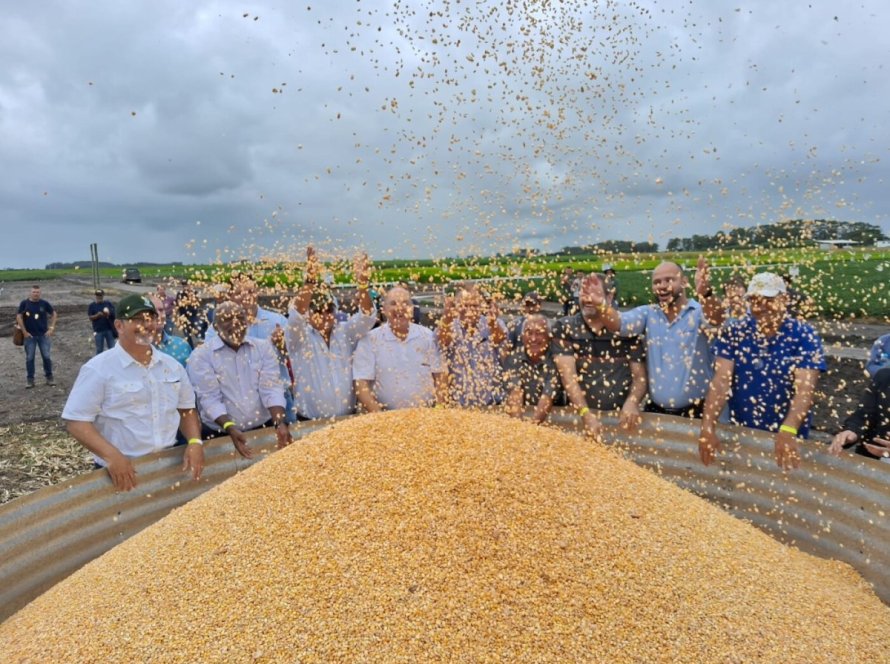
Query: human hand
{"x": 312, "y": 266}
{"x": 879, "y": 447}
{"x": 593, "y": 427}
{"x": 840, "y": 441}
{"x": 787, "y": 451}
{"x": 708, "y": 445}
{"x": 702, "y": 277}
{"x": 282, "y": 433}
{"x": 629, "y": 418}
{"x": 239, "y": 440}
{"x": 193, "y": 460}
{"x": 122, "y": 472}
{"x": 361, "y": 269}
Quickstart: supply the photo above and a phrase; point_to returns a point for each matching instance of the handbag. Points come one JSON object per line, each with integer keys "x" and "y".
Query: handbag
{"x": 18, "y": 337}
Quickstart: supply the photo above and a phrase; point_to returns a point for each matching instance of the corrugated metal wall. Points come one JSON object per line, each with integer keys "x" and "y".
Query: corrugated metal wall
{"x": 835, "y": 508}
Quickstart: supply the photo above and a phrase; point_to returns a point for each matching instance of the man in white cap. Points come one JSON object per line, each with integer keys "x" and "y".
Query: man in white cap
{"x": 771, "y": 362}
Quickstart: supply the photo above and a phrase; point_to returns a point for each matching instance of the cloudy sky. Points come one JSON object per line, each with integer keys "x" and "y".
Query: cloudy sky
{"x": 214, "y": 130}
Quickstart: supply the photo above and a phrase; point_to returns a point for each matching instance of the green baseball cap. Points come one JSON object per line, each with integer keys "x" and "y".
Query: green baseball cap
{"x": 133, "y": 305}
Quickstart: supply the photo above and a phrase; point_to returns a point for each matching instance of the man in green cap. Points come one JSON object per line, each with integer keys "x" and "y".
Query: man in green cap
{"x": 130, "y": 400}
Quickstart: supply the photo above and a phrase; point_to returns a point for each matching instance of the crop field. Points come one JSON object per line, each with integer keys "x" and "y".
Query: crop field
{"x": 850, "y": 283}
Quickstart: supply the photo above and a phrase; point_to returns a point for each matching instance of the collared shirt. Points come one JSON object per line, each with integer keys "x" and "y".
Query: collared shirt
{"x": 678, "y": 355}
{"x": 474, "y": 365}
{"x": 402, "y": 371}
{"x": 103, "y": 323}
{"x": 36, "y": 316}
{"x": 323, "y": 373}
{"x": 763, "y": 375}
{"x": 535, "y": 379}
{"x": 263, "y": 327}
{"x": 133, "y": 406}
{"x": 242, "y": 383}
{"x": 879, "y": 357}
{"x": 176, "y": 347}
{"x": 602, "y": 361}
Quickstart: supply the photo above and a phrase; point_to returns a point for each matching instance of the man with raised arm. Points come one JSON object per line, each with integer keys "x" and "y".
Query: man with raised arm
{"x": 769, "y": 362}
{"x": 600, "y": 369}
{"x": 676, "y": 329}
{"x": 472, "y": 338}
{"x": 320, "y": 347}
{"x": 397, "y": 365}
{"x": 130, "y": 400}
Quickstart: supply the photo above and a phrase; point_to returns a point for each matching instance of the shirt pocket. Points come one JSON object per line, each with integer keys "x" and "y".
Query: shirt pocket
{"x": 169, "y": 388}
{"x": 128, "y": 398}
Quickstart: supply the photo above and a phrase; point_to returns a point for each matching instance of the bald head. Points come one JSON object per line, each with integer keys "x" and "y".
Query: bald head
{"x": 398, "y": 308}
{"x": 669, "y": 284}
{"x": 230, "y": 322}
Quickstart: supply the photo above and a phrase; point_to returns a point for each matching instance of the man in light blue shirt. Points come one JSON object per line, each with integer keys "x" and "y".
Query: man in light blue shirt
{"x": 678, "y": 353}
{"x": 321, "y": 348}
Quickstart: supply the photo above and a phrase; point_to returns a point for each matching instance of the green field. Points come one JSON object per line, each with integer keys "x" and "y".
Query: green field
{"x": 842, "y": 283}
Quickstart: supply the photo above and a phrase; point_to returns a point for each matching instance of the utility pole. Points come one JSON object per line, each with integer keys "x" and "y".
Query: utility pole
{"x": 94, "y": 260}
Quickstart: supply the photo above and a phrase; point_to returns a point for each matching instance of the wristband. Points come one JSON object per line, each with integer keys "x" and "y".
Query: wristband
{"x": 584, "y": 411}
{"x": 787, "y": 429}
{"x": 228, "y": 424}
{"x": 195, "y": 441}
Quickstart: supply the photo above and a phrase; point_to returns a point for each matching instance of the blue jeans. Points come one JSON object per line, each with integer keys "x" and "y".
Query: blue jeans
{"x": 104, "y": 338}
{"x": 31, "y": 346}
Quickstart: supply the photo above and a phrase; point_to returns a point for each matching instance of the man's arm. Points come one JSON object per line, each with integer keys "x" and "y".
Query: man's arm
{"x": 190, "y": 426}
{"x": 310, "y": 281}
{"x": 630, "y": 416}
{"x": 440, "y": 381}
{"x": 712, "y": 306}
{"x": 119, "y": 467}
{"x": 366, "y": 397}
{"x": 787, "y": 448}
{"x": 565, "y": 364}
{"x": 52, "y": 323}
{"x": 444, "y": 333}
{"x": 361, "y": 270}
{"x": 718, "y": 394}
{"x": 543, "y": 408}
{"x": 20, "y": 321}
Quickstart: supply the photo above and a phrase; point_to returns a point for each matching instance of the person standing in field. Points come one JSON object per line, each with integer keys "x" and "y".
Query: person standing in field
{"x": 473, "y": 339}
{"x": 530, "y": 376}
{"x": 321, "y": 348}
{"x": 130, "y": 400}
{"x": 677, "y": 330}
{"x": 37, "y": 320}
{"x": 768, "y": 363}
{"x": 397, "y": 365}
{"x": 600, "y": 370}
{"x": 101, "y": 314}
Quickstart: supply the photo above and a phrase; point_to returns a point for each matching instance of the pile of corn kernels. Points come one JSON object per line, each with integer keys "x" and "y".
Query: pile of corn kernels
{"x": 429, "y": 535}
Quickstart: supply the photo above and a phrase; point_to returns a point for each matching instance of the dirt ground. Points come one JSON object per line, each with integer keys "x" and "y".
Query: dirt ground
{"x": 35, "y": 450}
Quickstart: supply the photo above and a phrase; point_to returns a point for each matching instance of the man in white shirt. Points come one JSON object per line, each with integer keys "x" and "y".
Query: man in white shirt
{"x": 237, "y": 381}
{"x": 129, "y": 401}
{"x": 321, "y": 348}
{"x": 398, "y": 365}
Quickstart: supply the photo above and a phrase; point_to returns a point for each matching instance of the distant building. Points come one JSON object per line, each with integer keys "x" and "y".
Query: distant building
{"x": 828, "y": 245}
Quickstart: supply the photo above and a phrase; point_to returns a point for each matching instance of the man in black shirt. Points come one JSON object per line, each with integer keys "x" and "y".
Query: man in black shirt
{"x": 101, "y": 313}
{"x": 37, "y": 320}
{"x": 599, "y": 369}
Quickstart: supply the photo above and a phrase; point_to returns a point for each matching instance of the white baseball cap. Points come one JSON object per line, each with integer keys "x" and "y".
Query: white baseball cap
{"x": 766, "y": 284}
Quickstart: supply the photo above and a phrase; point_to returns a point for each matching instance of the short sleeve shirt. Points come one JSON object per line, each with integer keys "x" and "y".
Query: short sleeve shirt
{"x": 535, "y": 379}
{"x": 104, "y": 323}
{"x": 36, "y": 316}
{"x": 134, "y": 407}
{"x": 402, "y": 370}
{"x": 602, "y": 361}
{"x": 678, "y": 353}
{"x": 763, "y": 375}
